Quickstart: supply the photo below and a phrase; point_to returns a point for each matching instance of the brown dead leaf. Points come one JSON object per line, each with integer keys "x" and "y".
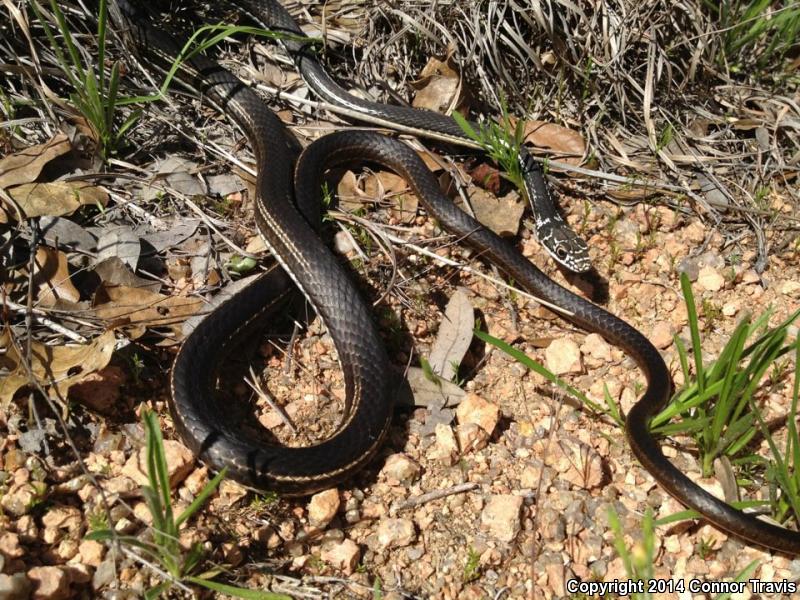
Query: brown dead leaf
{"x": 486, "y": 176}
{"x": 51, "y": 277}
{"x": 55, "y": 199}
{"x": 133, "y": 310}
{"x": 568, "y": 144}
{"x": 501, "y": 215}
{"x": 349, "y": 193}
{"x": 63, "y": 366}
{"x": 439, "y": 87}
{"x": 26, "y": 165}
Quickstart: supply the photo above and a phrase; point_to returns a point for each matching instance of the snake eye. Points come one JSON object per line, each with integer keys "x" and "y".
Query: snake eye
{"x": 561, "y": 252}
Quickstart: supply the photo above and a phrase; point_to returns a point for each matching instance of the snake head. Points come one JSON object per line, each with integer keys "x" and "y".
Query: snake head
{"x": 565, "y": 246}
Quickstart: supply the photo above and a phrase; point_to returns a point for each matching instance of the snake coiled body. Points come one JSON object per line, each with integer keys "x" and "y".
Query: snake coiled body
{"x": 201, "y": 419}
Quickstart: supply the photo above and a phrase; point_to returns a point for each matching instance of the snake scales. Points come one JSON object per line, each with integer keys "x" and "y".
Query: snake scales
{"x": 289, "y": 231}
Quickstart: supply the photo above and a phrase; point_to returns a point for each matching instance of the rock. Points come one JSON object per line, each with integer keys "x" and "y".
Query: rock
{"x": 471, "y": 437}
{"x": 474, "y": 409}
{"x": 563, "y": 356}
{"x": 14, "y": 587}
{"x": 445, "y": 449}
{"x": 343, "y": 555}
{"x": 91, "y": 552}
{"x": 501, "y": 517}
{"x": 661, "y": 335}
{"x": 710, "y": 279}
{"x": 62, "y": 517}
{"x": 180, "y": 462}
{"x": 790, "y": 288}
{"x": 49, "y": 583}
{"x": 9, "y": 545}
{"x": 400, "y": 469}
{"x": 104, "y": 574}
{"x": 396, "y": 533}
{"x": 323, "y": 507}
{"x": 100, "y": 391}
{"x": 19, "y": 499}
{"x": 595, "y": 346}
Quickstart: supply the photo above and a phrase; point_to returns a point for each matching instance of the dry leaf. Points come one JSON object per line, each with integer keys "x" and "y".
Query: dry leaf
{"x": 454, "y": 336}
{"x": 135, "y": 309}
{"x": 51, "y": 277}
{"x": 56, "y": 199}
{"x": 26, "y": 165}
{"x": 557, "y": 139}
{"x": 431, "y": 394}
{"x": 349, "y": 193}
{"x": 501, "y": 215}
{"x": 59, "y": 232}
{"x": 439, "y": 87}
{"x": 122, "y": 243}
{"x": 63, "y": 365}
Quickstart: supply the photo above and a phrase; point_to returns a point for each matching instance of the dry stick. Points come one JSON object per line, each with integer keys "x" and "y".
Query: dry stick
{"x": 261, "y": 393}
{"x": 436, "y": 495}
{"x": 36, "y": 314}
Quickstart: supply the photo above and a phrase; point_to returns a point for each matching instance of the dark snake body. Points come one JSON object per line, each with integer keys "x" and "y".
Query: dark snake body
{"x": 201, "y": 419}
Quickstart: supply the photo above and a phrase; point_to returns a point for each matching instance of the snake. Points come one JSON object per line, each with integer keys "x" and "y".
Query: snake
{"x": 288, "y": 200}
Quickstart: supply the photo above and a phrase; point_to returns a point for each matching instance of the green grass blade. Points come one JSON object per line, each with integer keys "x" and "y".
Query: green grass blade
{"x": 207, "y": 490}
{"x": 524, "y": 359}
{"x": 237, "y": 592}
{"x": 691, "y": 309}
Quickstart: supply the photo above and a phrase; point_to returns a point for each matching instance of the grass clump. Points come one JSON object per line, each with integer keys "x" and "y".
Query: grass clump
{"x": 718, "y": 407}
{"x": 164, "y": 548}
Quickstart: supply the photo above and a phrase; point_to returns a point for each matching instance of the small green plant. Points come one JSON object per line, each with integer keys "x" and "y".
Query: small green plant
{"x": 264, "y": 501}
{"x": 164, "y": 549}
{"x": 472, "y": 569}
{"x": 717, "y": 406}
{"x": 639, "y": 560}
{"x": 501, "y": 141}
{"x": 758, "y": 30}
{"x": 94, "y": 95}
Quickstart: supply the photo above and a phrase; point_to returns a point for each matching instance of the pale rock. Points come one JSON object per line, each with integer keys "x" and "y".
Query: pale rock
{"x": 19, "y": 499}
{"x": 399, "y": 469}
{"x": 710, "y": 279}
{"x": 396, "y": 533}
{"x": 661, "y": 335}
{"x": 66, "y": 550}
{"x": 530, "y": 477}
{"x": 122, "y": 485}
{"x": 595, "y": 346}
{"x": 474, "y": 409}
{"x": 471, "y": 437}
{"x": 197, "y": 480}
{"x": 445, "y": 448}
{"x": 323, "y": 507}
{"x": 14, "y": 587}
{"x": 790, "y": 288}
{"x": 62, "y": 517}
{"x": 9, "y": 545}
{"x": 729, "y": 309}
{"x": 343, "y": 555}
{"x": 104, "y": 574}
{"x": 180, "y": 462}
{"x": 49, "y": 583}
{"x": 91, "y": 552}
{"x": 229, "y": 494}
{"x": 501, "y": 517}
{"x": 751, "y": 276}
{"x": 563, "y": 356}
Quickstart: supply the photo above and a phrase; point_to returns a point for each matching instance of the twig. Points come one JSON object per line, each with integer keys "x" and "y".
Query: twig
{"x": 436, "y": 495}
{"x": 37, "y": 315}
{"x": 253, "y": 384}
